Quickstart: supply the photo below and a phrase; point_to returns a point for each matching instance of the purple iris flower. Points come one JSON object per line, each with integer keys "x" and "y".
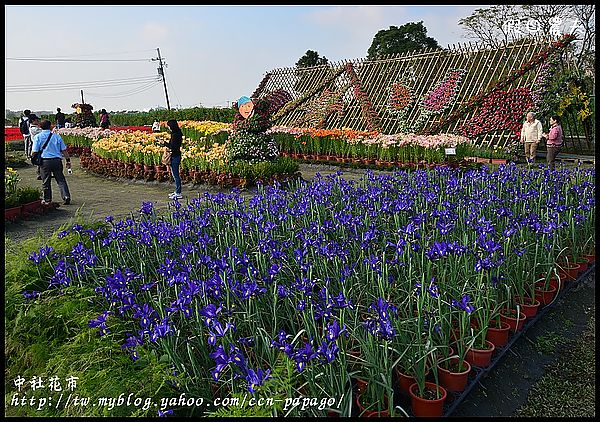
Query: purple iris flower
{"x": 463, "y": 304}
{"x": 334, "y": 330}
{"x": 328, "y": 350}
{"x": 44, "y": 252}
{"x": 256, "y": 378}
{"x": 147, "y": 208}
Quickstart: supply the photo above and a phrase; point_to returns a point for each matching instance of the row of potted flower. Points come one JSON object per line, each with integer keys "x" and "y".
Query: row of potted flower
{"x": 326, "y": 145}
{"x": 300, "y": 290}
{"x": 370, "y": 146}
{"x": 202, "y": 171}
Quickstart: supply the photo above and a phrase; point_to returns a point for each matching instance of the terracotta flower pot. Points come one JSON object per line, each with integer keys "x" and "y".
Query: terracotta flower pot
{"x": 498, "y": 336}
{"x": 372, "y": 411}
{"x": 545, "y": 295}
{"x": 424, "y": 407}
{"x": 571, "y": 271}
{"x": 405, "y": 380}
{"x": 528, "y": 306}
{"x": 510, "y": 317}
{"x": 590, "y": 258}
{"x": 454, "y": 379}
{"x": 481, "y": 357}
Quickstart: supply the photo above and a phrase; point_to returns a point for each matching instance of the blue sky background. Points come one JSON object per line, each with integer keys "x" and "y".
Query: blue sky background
{"x": 214, "y": 54}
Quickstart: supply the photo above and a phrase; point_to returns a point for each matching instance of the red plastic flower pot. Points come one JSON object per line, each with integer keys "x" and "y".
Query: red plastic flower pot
{"x": 545, "y": 295}
{"x": 590, "y": 258}
{"x": 405, "y": 380}
{"x": 454, "y": 379}
{"x": 498, "y": 335}
{"x": 529, "y": 306}
{"x": 583, "y": 266}
{"x": 571, "y": 271}
{"x": 510, "y": 317}
{"x": 425, "y": 407}
{"x": 372, "y": 411}
{"x": 481, "y": 357}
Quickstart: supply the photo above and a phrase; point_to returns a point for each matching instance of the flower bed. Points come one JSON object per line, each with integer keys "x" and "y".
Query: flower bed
{"x": 12, "y": 133}
{"x": 345, "y": 145}
{"x": 21, "y": 202}
{"x": 137, "y": 155}
{"x": 299, "y": 291}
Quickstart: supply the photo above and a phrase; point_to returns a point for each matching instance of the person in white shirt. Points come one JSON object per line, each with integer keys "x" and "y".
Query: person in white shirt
{"x": 156, "y": 126}
{"x": 531, "y": 134}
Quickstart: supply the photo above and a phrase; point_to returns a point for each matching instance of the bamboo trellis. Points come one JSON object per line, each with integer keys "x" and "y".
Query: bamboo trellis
{"x": 483, "y": 68}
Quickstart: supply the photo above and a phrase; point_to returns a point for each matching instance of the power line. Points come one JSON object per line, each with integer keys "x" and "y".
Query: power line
{"x": 126, "y": 93}
{"x": 174, "y": 92}
{"x": 101, "y": 54}
{"x": 31, "y": 59}
{"x": 138, "y": 78}
{"x": 97, "y": 85}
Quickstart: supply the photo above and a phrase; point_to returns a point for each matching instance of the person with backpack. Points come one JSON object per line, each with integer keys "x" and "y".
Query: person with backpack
{"x": 24, "y": 128}
{"x": 34, "y": 129}
{"x": 53, "y": 149}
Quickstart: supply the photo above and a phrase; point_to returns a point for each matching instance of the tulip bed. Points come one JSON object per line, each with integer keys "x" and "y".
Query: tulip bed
{"x": 301, "y": 292}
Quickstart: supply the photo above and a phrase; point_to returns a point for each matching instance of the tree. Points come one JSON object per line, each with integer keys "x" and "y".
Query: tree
{"x": 584, "y": 14}
{"x": 311, "y": 58}
{"x": 489, "y": 26}
{"x": 509, "y": 24}
{"x": 408, "y": 37}
{"x": 303, "y": 77}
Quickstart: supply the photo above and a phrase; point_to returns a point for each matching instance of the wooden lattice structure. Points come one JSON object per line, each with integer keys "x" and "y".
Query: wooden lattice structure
{"x": 362, "y": 87}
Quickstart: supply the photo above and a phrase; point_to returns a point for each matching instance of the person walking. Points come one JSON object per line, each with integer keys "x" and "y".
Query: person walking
{"x": 531, "y": 134}
{"x": 24, "y": 128}
{"x": 34, "y": 129}
{"x": 554, "y": 141}
{"x": 104, "y": 120}
{"x": 52, "y": 162}
{"x": 175, "y": 146}
{"x": 60, "y": 118}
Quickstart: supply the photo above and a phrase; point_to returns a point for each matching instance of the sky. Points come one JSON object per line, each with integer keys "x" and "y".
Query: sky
{"x": 213, "y": 54}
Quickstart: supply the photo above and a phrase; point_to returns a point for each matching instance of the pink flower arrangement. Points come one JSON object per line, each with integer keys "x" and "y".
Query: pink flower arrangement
{"x": 442, "y": 97}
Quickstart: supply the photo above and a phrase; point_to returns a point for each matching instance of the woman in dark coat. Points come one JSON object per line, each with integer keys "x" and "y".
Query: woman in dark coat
{"x": 175, "y": 146}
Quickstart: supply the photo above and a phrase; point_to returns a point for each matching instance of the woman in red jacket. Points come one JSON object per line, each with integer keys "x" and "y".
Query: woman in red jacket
{"x": 554, "y": 141}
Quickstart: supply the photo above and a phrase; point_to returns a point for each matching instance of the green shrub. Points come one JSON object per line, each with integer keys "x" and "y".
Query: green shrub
{"x": 18, "y": 145}
{"x": 29, "y": 194}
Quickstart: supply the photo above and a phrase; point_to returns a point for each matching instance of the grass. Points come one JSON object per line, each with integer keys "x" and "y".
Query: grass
{"x": 547, "y": 344}
{"x": 568, "y": 388}
{"x": 49, "y": 337}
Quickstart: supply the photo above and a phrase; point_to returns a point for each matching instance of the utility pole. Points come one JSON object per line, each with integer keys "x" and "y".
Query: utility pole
{"x": 82, "y": 102}
{"x": 161, "y": 72}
